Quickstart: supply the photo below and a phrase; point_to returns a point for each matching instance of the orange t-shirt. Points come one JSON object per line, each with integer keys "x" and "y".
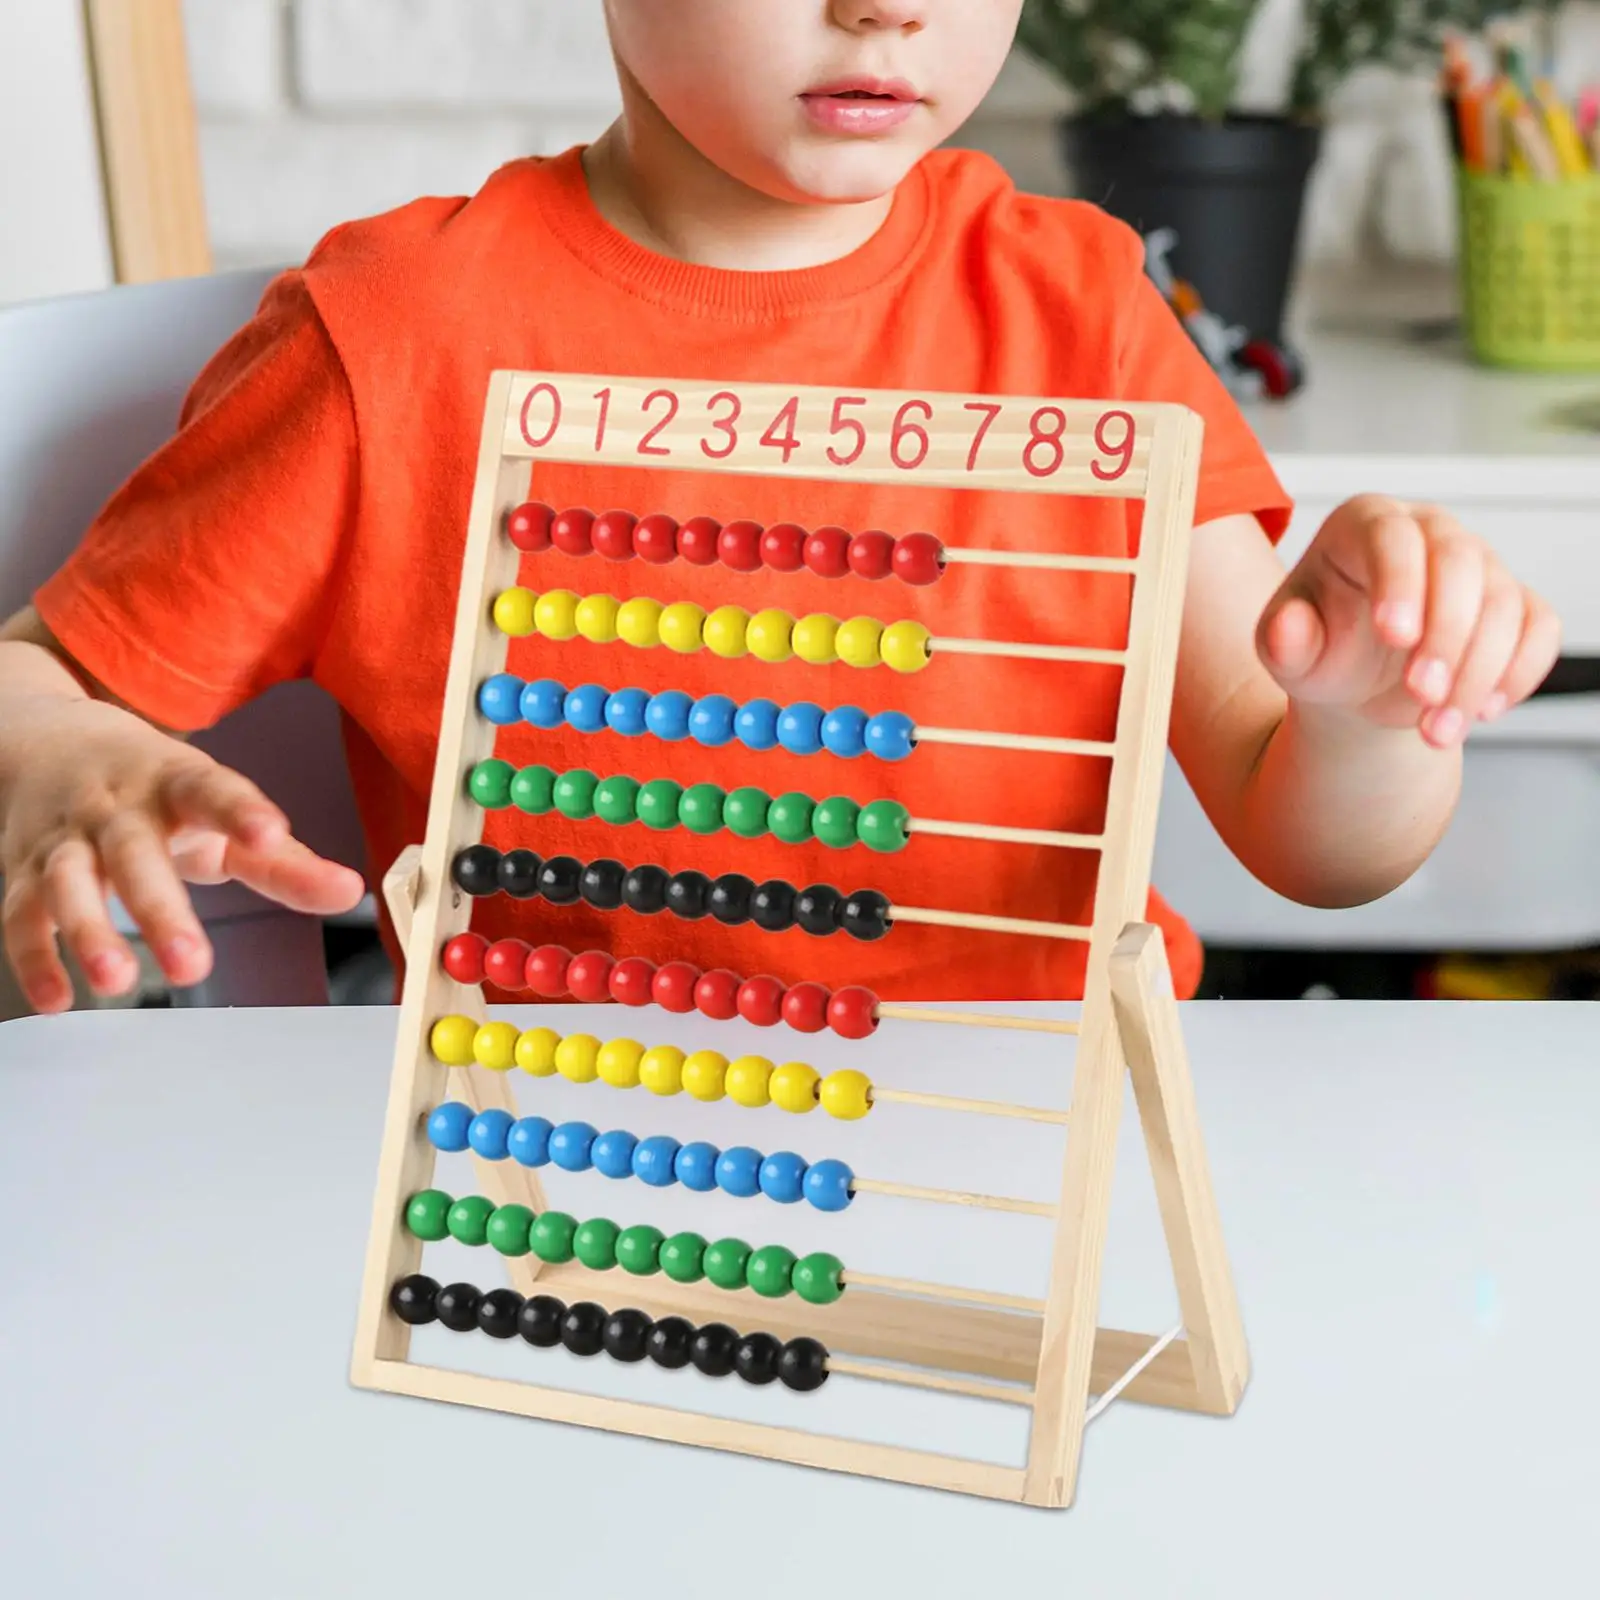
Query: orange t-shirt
{"x": 308, "y": 521}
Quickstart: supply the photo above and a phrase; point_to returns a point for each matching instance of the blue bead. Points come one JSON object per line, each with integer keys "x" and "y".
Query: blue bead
{"x": 827, "y": 1185}
{"x": 612, "y": 1154}
{"x": 667, "y": 715}
{"x": 739, "y": 1172}
{"x": 889, "y": 735}
{"x": 625, "y": 711}
{"x": 800, "y": 729}
{"x": 487, "y": 1133}
{"x": 655, "y": 1161}
{"x": 500, "y": 699}
{"x": 544, "y": 703}
{"x": 570, "y": 1146}
{"x": 529, "y": 1143}
{"x": 711, "y": 721}
{"x": 783, "y": 1176}
{"x": 756, "y": 725}
{"x": 844, "y": 732}
{"x": 585, "y": 708}
{"x": 695, "y": 1167}
{"x": 447, "y": 1127}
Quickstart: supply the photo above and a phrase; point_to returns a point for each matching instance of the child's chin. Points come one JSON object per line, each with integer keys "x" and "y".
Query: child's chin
{"x": 851, "y": 174}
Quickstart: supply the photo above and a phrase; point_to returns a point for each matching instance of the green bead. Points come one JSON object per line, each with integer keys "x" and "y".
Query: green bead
{"x": 882, "y": 825}
{"x": 639, "y": 1250}
{"x": 683, "y": 1258}
{"x": 658, "y": 803}
{"x": 508, "y": 1230}
{"x": 468, "y": 1219}
{"x": 744, "y": 812}
{"x": 533, "y": 790}
{"x": 834, "y": 821}
{"x": 700, "y": 809}
{"x": 816, "y": 1278}
{"x": 616, "y": 800}
{"x": 490, "y": 784}
{"x": 789, "y": 817}
{"x": 595, "y": 1244}
{"x": 574, "y": 794}
{"x": 552, "y": 1235}
{"x": 426, "y": 1213}
{"x": 769, "y": 1271}
{"x": 725, "y": 1263}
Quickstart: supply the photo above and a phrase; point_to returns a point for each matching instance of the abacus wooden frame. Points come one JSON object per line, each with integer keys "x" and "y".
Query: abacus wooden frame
{"x": 1129, "y": 1019}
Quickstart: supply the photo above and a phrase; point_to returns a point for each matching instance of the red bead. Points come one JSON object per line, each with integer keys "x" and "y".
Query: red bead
{"x": 805, "y": 1008}
{"x": 697, "y": 541}
{"x": 546, "y": 971}
{"x": 656, "y": 539}
{"x": 505, "y": 963}
{"x": 851, "y": 1013}
{"x": 717, "y": 995}
{"x": 783, "y": 547}
{"x": 528, "y": 527}
{"x": 631, "y": 980}
{"x": 871, "y": 555}
{"x": 827, "y": 552}
{"x": 739, "y": 546}
{"x": 570, "y": 530}
{"x": 589, "y": 976}
{"x": 761, "y": 1001}
{"x": 463, "y": 956}
{"x": 673, "y": 988}
{"x": 612, "y": 535}
{"x": 918, "y": 559}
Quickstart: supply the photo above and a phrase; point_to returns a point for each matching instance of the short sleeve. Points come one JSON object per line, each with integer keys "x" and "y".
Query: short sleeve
{"x": 208, "y": 576}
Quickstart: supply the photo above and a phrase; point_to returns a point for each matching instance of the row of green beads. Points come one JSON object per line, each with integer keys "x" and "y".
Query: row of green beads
{"x": 600, "y": 1245}
{"x": 701, "y": 808}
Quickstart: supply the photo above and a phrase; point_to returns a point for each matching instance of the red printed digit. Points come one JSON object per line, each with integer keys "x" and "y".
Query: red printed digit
{"x": 555, "y": 414}
{"x": 990, "y": 412}
{"x": 727, "y": 425}
{"x": 647, "y": 446}
{"x": 1046, "y": 438}
{"x": 844, "y": 424}
{"x": 604, "y": 397}
{"x": 788, "y": 441}
{"x": 901, "y": 429}
{"x": 1122, "y": 452}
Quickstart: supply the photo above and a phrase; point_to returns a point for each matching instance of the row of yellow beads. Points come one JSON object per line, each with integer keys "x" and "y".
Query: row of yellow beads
{"x": 729, "y": 631}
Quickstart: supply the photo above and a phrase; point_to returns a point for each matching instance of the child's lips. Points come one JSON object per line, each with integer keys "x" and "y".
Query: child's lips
{"x": 861, "y": 105}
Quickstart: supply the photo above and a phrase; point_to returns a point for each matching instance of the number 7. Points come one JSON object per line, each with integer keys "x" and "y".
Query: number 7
{"x": 990, "y": 412}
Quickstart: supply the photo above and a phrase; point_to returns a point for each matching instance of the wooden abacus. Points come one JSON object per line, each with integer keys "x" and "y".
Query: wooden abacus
{"x": 935, "y": 1337}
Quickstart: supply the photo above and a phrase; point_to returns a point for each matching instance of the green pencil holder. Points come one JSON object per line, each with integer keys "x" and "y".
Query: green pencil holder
{"x": 1530, "y": 271}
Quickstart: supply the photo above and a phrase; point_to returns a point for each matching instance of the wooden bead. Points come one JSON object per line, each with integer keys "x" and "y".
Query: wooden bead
{"x": 457, "y": 1307}
{"x": 655, "y": 539}
{"x": 716, "y": 995}
{"x": 639, "y": 1250}
{"x": 871, "y": 555}
{"x": 805, "y": 1007}
{"x": 747, "y": 1081}
{"x": 577, "y": 1058}
{"x": 618, "y": 1063}
{"x": 770, "y": 1271}
{"x": 489, "y": 783}
{"x": 505, "y": 963}
{"x": 772, "y": 905}
{"x": 450, "y": 1040}
{"x": 698, "y": 541}
{"x": 700, "y": 809}
{"x": 793, "y": 1087}
{"x": 555, "y": 614}
{"x": 828, "y": 1187}
{"x": 560, "y": 880}
{"x": 846, "y": 1095}
{"x": 657, "y": 804}
{"x": 476, "y": 870}
{"x": 638, "y": 622}
{"x": 536, "y": 1052}
{"x": 827, "y": 552}
{"x": 552, "y": 1236}
{"x": 673, "y": 987}
{"x": 918, "y": 559}
{"x": 668, "y": 1342}
{"x": 705, "y": 1075}
{"x": 611, "y": 535}
{"x": 528, "y": 527}
{"x": 645, "y": 889}
{"x": 426, "y": 1214}
{"x": 680, "y": 627}
{"x": 414, "y": 1300}
{"x": 904, "y": 646}
{"x": 760, "y": 1000}
{"x": 756, "y": 1358}
{"x": 521, "y": 874}
{"x": 545, "y": 970}
{"x": 589, "y": 976}
{"x": 540, "y": 1321}
{"x": 853, "y": 1012}
{"x": 583, "y": 1329}
{"x": 711, "y": 1350}
{"x": 632, "y": 981}
{"x": 725, "y": 633}
{"x": 882, "y": 826}
{"x": 468, "y": 1219}
{"x": 783, "y": 547}
{"x": 813, "y": 639}
{"x": 817, "y": 908}
{"x": 688, "y": 895}
{"x": 744, "y": 812}
{"x": 448, "y": 1126}
{"x": 661, "y": 1069}
{"x": 596, "y": 618}
{"x": 865, "y": 915}
{"x": 463, "y": 958}
{"x": 834, "y": 822}
{"x": 625, "y": 1335}
{"x": 569, "y": 531}
{"x": 595, "y": 1244}
{"x": 739, "y": 546}
{"x": 516, "y": 613}
{"x": 508, "y": 1230}
{"x": 803, "y": 1366}
{"x": 817, "y": 1278}
{"x": 858, "y": 642}
{"x": 729, "y": 899}
{"x": 770, "y": 635}
{"x": 725, "y": 1262}
{"x": 683, "y": 1257}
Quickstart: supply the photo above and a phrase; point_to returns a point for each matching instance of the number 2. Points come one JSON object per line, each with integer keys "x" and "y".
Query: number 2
{"x": 646, "y": 445}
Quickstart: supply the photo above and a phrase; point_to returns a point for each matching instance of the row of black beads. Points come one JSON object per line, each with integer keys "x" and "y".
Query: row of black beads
{"x": 588, "y": 1330}
{"x": 731, "y": 899}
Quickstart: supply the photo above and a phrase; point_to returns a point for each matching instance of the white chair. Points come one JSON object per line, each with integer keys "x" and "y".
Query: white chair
{"x": 90, "y": 385}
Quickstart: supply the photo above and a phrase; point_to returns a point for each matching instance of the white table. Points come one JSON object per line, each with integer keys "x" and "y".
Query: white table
{"x": 1410, "y": 1196}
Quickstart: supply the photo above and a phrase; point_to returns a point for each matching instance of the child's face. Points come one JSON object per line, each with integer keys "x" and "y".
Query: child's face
{"x": 747, "y": 83}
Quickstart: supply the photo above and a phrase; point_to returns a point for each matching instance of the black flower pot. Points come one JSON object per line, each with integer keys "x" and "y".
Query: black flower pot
{"x": 1233, "y": 192}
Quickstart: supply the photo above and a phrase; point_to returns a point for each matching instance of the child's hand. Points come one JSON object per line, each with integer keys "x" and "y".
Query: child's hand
{"x": 1400, "y": 616}
{"x": 107, "y": 804}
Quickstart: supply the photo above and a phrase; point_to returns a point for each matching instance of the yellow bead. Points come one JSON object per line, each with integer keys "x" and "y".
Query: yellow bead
{"x": 769, "y": 635}
{"x": 639, "y": 622}
{"x": 514, "y": 612}
{"x": 536, "y": 1052}
{"x": 451, "y": 1040}
{"x": 847, "y": 1095}
{"x": 857, "y": 641}
{"x": 794, "y": 1087}
{"x": 705, "y": 1075}
{"x": 618, "y": 1063}
{"x": 556, "y": 614}
{"x": 680, "y": 627}
{"x": 748, "y": 1081}
{"x": 495, "y": 1046}
{"x": 596, "y": 618}
{"x": 813, "y": 639}
{"x": 724, "y": 632}
{"x": 661, "y": 1069}
{"x": 904, "y": 646}
{"x": 577, "y": 1057}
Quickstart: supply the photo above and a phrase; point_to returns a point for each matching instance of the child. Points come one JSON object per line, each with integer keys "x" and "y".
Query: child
{"x": 772, "y": 206}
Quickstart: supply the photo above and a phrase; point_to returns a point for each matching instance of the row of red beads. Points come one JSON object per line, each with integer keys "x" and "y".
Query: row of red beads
{"x": 555, "y": 973}
{"x": 915, "y": 558}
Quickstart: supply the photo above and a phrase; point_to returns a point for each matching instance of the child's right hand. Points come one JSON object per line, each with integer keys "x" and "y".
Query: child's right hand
{"x": 103, "y": 803}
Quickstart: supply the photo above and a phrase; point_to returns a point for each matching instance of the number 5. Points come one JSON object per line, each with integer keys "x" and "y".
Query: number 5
{"x": 844, "y": 424}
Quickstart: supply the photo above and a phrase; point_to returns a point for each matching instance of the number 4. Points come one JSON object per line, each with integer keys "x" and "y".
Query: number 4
{"x": 787, "y": 441}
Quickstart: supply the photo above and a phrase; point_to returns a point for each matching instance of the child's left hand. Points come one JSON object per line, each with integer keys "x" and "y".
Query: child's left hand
{"x": 1399, "y": 615}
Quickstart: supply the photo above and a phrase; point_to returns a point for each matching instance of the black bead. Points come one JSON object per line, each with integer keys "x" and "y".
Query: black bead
{"x": 817, "y": 909}
{"x": 645, "y": 889}
{"x": 669, "y": 1341}
{"x": 688, "y": 895}
{"x": 730, "y": 897}
{"x": 625, "y": 1335}
{"x": 772, "y": 905}
{"x": 499, "y": 1312}
{"x": 583, "y": 1327}
{"x": 476, "y": 870}
{"x": 559, "y": 880}
{"x": 712, "y": 1349}
{"x": 519, "y": 874}
{"x": 756, "y": 1359}
{"x": 803, "y": 1365}
{"x": 865, "y": 915}
{"x": 457, "y": 1305}
{"x": 540, "y": 1322}
{"x": 601, "y": 884}
{"x": 412, "y": 1299}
